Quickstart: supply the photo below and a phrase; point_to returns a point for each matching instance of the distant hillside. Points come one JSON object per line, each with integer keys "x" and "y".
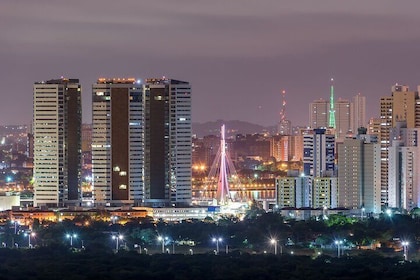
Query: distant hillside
{"x": 232, "y": 128}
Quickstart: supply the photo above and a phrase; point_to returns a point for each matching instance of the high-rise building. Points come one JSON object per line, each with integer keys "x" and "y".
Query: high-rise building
{"x": 167, "y": 142}
{"x": 374, "y": 126}
{"x": 286, "y": 147}
{"x": 324, "y": 192}
{"x": 117, "y": 142}
{"x": 358, "y": 113}
{"x": 293, "y": 191}
{"x": 403, "y": 166}
{"x": 359, "y": 173}
{"x": 402, "y": 105}
{"x": 57, "y": 142}
{"x": 342, "y": 119}
{"x": 319, "y": 113}
{"x": 319, "y": 154}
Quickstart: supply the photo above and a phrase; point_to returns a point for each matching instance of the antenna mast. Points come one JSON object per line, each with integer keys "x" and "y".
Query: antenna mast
{"x": 331, "y": 122}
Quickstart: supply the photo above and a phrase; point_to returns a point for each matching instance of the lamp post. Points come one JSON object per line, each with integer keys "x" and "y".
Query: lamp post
{"x": 274, "y": 241}
{"x": 191, "y": 252}
{"x": 71, "y": 236}
{"x": 405, "y": 246}
{"x": 29, "y": 234}
{"x": 16, "y": 224}
{"x": 363, "y": 212}
{"x": 116, "y": 238}
{"x": 217, "y": 240}
{"x": 338, "y": 243}
{"x": 162, "y": 239}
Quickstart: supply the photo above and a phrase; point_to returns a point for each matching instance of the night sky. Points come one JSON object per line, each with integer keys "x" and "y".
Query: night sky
{"x": 238, "y": 55}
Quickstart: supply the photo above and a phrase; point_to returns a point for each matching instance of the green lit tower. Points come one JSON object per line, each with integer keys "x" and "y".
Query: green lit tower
{"x": 331, "y": 122}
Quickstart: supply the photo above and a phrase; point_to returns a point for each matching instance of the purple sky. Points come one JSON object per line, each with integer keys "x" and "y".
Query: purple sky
{"x": 237, "y": 54}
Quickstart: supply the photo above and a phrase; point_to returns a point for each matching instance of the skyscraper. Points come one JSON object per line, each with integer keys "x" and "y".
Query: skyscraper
{"x": 117, "y": 142}
{"x": 318, "y": 113}
{"x": 359, "y": 173}
{"x": 141, "y": 142}
{"x": 57, "y": 119}
{"x": 167, "y": 152}
{"x": 403, "y": 166}
{"x": 342, "y": 119}
{"x": 319, "y": 153}
{"x": 358, "y": 113}
{"x": 402, "y": 105}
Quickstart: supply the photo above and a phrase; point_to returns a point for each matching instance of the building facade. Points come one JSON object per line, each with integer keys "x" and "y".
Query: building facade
{"x": 117, "y": 142}
{"x": 167, "y": 142}
{"x": 319, "y": 154}
{"x": 359, "y": 173}
{"x": 403, "y": 166}
{"x": 402, "y": 105}
{"x": 358, "y": 113}
{"x": 57, "y": 116}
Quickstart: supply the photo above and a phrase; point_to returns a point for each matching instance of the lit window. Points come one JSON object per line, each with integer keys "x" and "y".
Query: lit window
{"x": 123, "y": 187}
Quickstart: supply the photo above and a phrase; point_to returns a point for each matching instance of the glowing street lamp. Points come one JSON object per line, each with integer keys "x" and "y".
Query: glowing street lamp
{"x": 338, "y": 243}
{"x": 16, "y": 224}
{"x": 405, "y": 246}
{"x": 217, "y": 240}
{"x": 29, "y": 234}
{"x": 274, "y": 241}
{"x": 116, "y": 238}
{"x": 162, "y": 239}
{"x": 71, "y": 236}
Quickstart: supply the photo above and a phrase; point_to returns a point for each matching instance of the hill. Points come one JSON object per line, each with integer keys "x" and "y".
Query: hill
{"x": 233, "y": 127}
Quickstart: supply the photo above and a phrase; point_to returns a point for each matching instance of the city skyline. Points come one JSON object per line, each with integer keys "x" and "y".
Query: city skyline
{"x": 227, "y": 52}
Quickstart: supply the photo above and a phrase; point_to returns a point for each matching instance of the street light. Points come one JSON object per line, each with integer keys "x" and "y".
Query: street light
{"x": 405, "y": 246}
{"x": 29, "y": 234}
{"x": 162, "y": 239}
{"x": 217, "y": 240}
{"x": 16, "y": 224}
{"x": 274, "y": 241}
{"x": 191, "y": 252}
{"x": 338, "y": 243}
{"x": 71, "y": 236}
{"x": 116, "y": 238}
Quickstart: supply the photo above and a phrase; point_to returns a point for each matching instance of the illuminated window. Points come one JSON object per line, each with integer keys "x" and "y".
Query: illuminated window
{"x": 116, "y": 169}
{"x": 123, "y": 173}
{"x": 123, "y": 187}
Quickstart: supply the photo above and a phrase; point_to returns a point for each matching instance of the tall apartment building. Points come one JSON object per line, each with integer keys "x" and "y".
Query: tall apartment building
{"x": 319, "y": 113}
{"x": 359, "y": 178}
{"x": 402, "y": 105}
{"x": 117, "y": 142}
{"x": 167, "y": 146}
{"x": 358, "y": 113}
{"x": 374, "y": 126}
{"x": 342, "y": 119}
{"x": 319, "y": 154}
{"x": 325, "y": 192}
{"x": 293, "y": 191}
{"x": 57, "y": 116}
{"x": 286, "y": 147}
{"x": 403, "y": 166}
